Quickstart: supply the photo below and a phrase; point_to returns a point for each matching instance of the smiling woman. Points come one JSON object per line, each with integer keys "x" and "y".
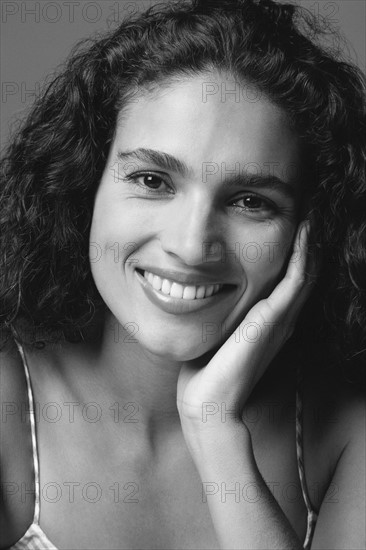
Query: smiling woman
{"x": 183, "y": 290}
{"x": 150, "y": 200}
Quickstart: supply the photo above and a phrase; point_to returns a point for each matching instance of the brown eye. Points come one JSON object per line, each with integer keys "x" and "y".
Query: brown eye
{"x": 252, "y": 202}
{"x": 152, "y": 181}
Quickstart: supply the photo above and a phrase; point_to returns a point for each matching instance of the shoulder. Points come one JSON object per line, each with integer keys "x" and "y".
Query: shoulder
{"x": 335, "y": 407}
{"x": 339, "y": 437}
{"x": 15, "y": 448}
{"x": 335, "y": 403}
{"x": 12, "y": 377}
{"x": 334, "y": 428}
{"x": 350, "y": 413}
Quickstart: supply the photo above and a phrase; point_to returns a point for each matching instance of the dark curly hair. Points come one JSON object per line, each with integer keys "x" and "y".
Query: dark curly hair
{"x": 53, "y": 165}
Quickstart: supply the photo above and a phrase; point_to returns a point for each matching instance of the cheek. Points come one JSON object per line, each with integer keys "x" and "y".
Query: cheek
{"x": 114, "y": 237}
{"x": 264, "y": 258}
{"x": 112, "y": 232}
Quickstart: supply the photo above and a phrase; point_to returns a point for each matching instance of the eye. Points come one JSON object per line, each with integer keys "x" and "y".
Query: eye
{"x": 149, "y": 182}
{"x": 254, "y": 203}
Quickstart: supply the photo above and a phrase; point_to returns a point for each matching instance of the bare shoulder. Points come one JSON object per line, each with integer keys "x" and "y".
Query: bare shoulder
{"x": 10, "y": 363}
{"x": 335, "y": 459}
{"x": 13, "y": 389}
{"x": 352, "y": 411}
{"x": 15, "y": 450}
{"x": 338, "y": 405}
{"x": 335, "y": 412}
{"x": 12, "y": 379}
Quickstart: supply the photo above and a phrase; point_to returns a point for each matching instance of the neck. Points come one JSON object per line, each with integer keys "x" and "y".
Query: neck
{"x": 128, "y": 373}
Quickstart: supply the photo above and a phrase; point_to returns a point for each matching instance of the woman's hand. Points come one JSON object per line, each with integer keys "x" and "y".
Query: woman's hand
{"x": 228, "y": 379}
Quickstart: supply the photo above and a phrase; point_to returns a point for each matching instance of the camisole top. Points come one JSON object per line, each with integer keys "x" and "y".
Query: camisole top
{"x": 36, "y": 539}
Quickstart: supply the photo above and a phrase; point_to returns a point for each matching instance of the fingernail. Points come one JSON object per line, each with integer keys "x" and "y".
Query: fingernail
{"x": 305, "y": 227}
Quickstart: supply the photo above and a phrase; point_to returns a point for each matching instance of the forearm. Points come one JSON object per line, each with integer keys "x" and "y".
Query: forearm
{"x": 243, "y": 510}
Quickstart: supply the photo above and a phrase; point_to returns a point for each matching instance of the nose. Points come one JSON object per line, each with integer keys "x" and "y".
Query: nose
{"x": 192, "y": 233}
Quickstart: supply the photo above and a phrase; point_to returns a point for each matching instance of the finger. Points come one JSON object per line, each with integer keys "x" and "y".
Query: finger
{"x": 273, "y": 319}
{"x": 305, "y": 269}
{"x": 294, "y": 287}
{"x": 281, "y": 309}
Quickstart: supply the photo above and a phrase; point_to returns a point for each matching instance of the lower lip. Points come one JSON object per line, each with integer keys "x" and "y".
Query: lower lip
{"x": 179, "y": 305}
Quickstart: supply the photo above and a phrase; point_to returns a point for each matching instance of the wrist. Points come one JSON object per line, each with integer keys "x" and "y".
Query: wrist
{"x": 211, "y": 415}
{"x": 215, "y": 440}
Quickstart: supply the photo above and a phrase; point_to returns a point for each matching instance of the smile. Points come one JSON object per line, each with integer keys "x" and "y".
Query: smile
{"x": 174, "y": 297}
{"x": 177, "y": 290}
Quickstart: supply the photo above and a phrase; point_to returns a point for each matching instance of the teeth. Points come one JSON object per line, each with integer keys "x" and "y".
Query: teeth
{"x": 167, "y": 285}
{"x": 157, "y": 282}
{"x": 176, "y": 290}
{"x": 209, "y": 290}
{"x": 200, "y": 292}
{"x": 189, "y": 293}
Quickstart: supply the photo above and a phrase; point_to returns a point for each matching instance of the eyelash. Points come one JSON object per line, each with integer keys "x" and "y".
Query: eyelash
{"x": 133, "y": 178}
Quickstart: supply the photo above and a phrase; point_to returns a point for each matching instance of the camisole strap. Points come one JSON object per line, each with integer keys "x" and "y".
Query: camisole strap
{"x": 33, "y": 428}
{"x": 312, "y": 515}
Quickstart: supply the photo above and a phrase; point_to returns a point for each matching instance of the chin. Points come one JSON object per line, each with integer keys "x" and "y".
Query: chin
{"x": 175, "y": 350}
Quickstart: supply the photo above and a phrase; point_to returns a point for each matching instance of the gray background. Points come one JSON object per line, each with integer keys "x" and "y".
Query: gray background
{"x": 36, "y": 36}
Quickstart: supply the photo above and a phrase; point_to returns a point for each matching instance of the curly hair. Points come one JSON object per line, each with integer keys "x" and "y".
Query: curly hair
{"x": 53, "y": 165}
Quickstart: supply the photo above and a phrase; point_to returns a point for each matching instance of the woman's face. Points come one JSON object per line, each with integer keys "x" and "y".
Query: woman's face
{"x": 199, "y": 189}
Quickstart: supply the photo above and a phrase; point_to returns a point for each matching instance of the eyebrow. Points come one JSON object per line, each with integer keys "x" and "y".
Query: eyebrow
{"x": 165, "y": 161}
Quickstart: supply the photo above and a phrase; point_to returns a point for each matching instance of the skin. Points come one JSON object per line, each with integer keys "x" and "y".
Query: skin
{"x": 169, "y": 370}
{"x": 167, "y": 229}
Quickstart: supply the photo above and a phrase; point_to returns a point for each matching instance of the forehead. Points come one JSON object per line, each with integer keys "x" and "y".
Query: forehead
{"x": 209, "y": 118}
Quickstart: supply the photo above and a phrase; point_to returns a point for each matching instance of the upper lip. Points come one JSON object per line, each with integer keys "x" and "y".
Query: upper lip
{"x": 184, "y": 278}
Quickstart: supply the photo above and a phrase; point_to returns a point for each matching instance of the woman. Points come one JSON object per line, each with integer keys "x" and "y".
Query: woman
{"x": 188, "y": 190}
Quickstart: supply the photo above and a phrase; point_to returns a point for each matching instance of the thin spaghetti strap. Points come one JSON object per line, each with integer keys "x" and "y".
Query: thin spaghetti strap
{"x": 312, "y": 515}
{"x": 33, "y": 428}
